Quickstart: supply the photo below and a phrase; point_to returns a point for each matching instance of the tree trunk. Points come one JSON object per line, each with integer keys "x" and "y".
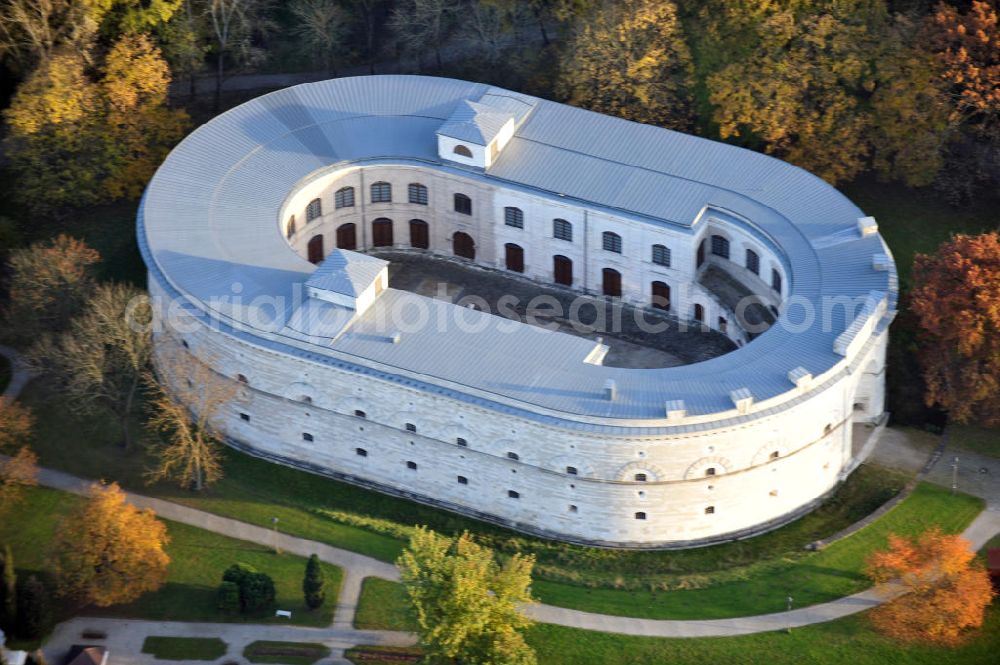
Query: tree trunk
{"x": 541, "y": 26}
{"x": 218, "y": 81}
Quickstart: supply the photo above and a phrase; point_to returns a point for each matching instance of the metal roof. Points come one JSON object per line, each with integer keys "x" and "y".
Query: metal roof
{"x": 346, "y": 272}
{"x": 209, "y": 221}
{"x": 475, "y": 123}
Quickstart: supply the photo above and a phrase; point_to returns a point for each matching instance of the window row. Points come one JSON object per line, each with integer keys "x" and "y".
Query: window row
{"x": 720, "y": 248}
{"x": 381, "y": 192}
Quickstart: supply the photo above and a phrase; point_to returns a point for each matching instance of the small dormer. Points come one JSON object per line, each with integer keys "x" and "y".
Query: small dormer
{"x": 474, "y": 134}
{"x": 349, "y": 280}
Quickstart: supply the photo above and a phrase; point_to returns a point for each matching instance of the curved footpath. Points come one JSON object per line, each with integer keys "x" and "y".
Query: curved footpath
{"x": 357, "y": 566}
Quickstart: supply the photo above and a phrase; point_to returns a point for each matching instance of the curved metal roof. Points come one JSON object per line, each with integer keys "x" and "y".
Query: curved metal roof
{"x": 209, "y": 220}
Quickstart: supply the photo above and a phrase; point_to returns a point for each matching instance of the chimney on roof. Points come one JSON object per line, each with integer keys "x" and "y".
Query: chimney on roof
{"x": 610, "y": 390}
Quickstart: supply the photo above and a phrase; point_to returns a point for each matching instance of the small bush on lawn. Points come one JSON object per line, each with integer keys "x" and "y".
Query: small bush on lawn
{"x": 256, "y": 588}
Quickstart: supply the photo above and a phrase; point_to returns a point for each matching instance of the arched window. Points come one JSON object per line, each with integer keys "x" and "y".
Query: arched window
{"x": 513, "y": 217}
{"x": 462, "y": 150}
{"x": 417, "y": 193}
{"x": 612, "y": 242}
{"x": 753, "y": 262}
{"x": 710, "y": 510}
{"x": 242, "y": 378}
{"x": 640, "y": 515}
{"x": 314, "y": 210}
{"x": 513, "y": 456}
{"x": 314, "y": 250}
{"x": 571, "y": 470}
{"x": 562, "y": 270}
{"x": 661, "y": 255}
{"x": 290, "y": 229}
{"x": 381, "y": 192}
{"x": 640, "y": 477}
{"x": 360, "y": 414}
{"x": 382, "y": 232}
{"x": 699, "y": 313}
{"x": 562, "y": 230}
{"x": 775, "y": 280}
{"x": 710, "y": 471}
{"x": 347, "y": 236}
{"x": 463, "y": 204}
{"x": 419, "y": 234}
{"x": 661, "y": 296}
{"x": 720, "y": 246}
{"x": 514, "y": 257}
{"x": 343, "y": 198}
{"x": 611, "y": 282}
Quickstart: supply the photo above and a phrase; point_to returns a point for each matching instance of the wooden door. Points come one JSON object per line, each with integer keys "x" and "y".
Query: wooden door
{"x": 661, "y": 295}
{"x": 611, "y": 282}
{"x": 562, "y": 269}
{"x": 463, "y": 245}
{"x": 315, "y": 249}
{"x": 382, "y": 232}
{"x": 347, "y": 236}
{"x": 514, "y": 255}
{"x": 419, "y": 235}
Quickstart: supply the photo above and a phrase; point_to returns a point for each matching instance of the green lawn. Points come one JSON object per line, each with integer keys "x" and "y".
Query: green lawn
{"x": 184, "y": 648}
{"x": 320, "y": 509}
{"x": 198, "y": 559}
{"x": 982, "y": 440}
{"x": 815, "y": 578}
{"x": 292, "y": 653}
{"x": 383, "y": 606}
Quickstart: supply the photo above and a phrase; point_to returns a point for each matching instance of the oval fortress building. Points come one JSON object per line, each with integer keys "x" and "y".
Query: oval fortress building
{"x": 257, "y": 229}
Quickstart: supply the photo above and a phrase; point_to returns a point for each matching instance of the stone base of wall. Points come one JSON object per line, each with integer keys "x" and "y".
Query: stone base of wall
{"x": 531, "y": 530}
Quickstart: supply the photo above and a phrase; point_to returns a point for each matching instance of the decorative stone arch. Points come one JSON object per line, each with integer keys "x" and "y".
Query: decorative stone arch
{"x": 560, "y": 462}
{"x": 300, "y": 392}
{"x": 503, "y": 446}
{"x": 766, "y": 453}
{"x": 653, "y": 473}
{"x": 451, "y": 434}
{"x": 697, "y": 470}
{"x": 350, "y": 404}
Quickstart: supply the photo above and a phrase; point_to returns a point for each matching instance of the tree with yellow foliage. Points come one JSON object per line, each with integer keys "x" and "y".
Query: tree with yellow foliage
{"x": 800, "y": 88}
{"x": 467, "y": 604}
{"x": 108, "y": 551}
{"x": 629, "y": 59}
{"x": 18, "y": 464}
{"x": 945, "y": 591}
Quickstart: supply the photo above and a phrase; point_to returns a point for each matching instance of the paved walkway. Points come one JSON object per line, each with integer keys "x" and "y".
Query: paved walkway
{"x": 356, "y": 567}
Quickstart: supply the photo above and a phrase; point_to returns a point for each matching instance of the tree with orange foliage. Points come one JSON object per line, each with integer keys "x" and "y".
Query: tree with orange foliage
{"x": 945, "y": 590}
{"x": 956, "y": 297}
{"x": 18, "y": 465}
{"x": 968, "y": 47}
{"x": 108, "y": 551}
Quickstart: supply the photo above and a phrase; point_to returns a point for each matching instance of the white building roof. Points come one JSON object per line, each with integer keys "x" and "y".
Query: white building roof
{"x": 209, "y": 219}
{"x": 475, "y": 123}
{"x": 346, "y": 272}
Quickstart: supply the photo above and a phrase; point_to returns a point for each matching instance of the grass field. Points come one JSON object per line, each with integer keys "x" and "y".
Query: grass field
{"x": 198, "y": 559}
{"x": 376, "y": 525}
{"x": 184, "y": 648}
{"x": 383, "y": 606}
{"x": 291, "y": 653}
{"x": 982, "y": 440}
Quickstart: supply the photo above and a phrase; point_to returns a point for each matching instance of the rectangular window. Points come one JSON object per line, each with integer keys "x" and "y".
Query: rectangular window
{"x": 753, "y": 262}
{"x": 306, "y": 436}
{"x": 462, "y": 442}
{"x": 513, "y": 495}
{"x": 661, "y": 255}
{"x": 571, "y": 470}
{"x": 412, "y": 466}
{"x": 314, "y": 210}
{"x": 381, "y": 192}
{"x": 562, "y": 230}
{"x": 361, "y": 452}
{"x": 710, "y": 510}
{"x": 776, "y": 280}
{"x": 612, "y": 242}
{"x": 245, "y": 416}
{"x": 463, "y": 204}
{"x": 344, "y": 198}
{"x": 720, "y": 246}
{"x": 410, "y": 427}
{"x": 513, "y": 217}
{"x": 417, "y": 194}
{"x": 462, "y": 480}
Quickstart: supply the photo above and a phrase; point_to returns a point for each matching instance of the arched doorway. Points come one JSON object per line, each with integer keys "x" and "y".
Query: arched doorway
{"x": 562, "y": 270}
{"x": 660, "y": 296}
{"x": 347, "y": 236}
{"x": 514, "y": 256}
{"x": 611, "y": 282}
{"x": 382, "y": 232}
{"x": 419, "y": 234}
{"x": 463, "y": 245}
{"x": 315, "y": 249}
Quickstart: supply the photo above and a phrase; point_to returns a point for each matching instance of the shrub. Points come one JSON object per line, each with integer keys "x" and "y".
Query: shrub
{"x": 313, "y": 584}
{"x": 34, "y": 611}
{"x": 256, "y": 589}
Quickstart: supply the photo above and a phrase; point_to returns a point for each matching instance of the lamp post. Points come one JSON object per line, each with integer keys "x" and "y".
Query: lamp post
{"x": 788, "y": 605}
{"x": 274, "y": 523}
{"x": 954, "y": 475}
